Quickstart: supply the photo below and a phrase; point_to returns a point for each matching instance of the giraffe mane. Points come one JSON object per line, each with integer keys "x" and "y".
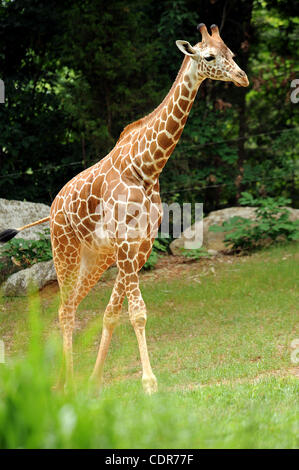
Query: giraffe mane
{"x": 142, "y": 121}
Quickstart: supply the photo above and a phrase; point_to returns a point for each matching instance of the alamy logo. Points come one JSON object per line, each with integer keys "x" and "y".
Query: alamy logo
{"x": 135, "y": 220}
{"x": 2, "y": 92}
{"x": 295, "y": 93}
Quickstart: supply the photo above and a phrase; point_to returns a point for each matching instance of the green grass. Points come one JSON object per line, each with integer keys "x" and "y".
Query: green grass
{"x": 219, "y": 337}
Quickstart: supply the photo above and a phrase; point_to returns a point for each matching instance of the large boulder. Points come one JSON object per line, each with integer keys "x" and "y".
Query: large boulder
{"x": 35, "y": 277}
{"x": 294, "y": 214}
{"x": 214, "y": 241}
{"x": 14, "y": 214}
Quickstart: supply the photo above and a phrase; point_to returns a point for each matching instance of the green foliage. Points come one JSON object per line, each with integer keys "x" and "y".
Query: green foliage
{"x": 272, "y": 224}
{"x": 32, "y": 416}
{"x": 25, "y": 253}
{"x": 195, "y": 254}
{"x": 76, "y": 73}
{"x": 212, "y": 394}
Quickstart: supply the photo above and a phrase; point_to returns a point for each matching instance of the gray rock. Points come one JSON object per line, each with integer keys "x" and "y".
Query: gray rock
{"x": 294, "y": 214}
{"x": 212, "y": 252}
{"x": 35, "y": 277}
{"x": 14, "y": 214}
{"x": 215, "y": 240}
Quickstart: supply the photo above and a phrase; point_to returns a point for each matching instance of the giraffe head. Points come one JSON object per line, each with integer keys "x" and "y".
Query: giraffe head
{"x": 214, "y": 59}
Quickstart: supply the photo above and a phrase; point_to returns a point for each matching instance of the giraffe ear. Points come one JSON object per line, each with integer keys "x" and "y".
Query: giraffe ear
{"x": 186, "y": 48}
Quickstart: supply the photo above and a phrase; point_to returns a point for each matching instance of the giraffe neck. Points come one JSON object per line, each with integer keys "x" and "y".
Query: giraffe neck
{"x": 162, "y": 129}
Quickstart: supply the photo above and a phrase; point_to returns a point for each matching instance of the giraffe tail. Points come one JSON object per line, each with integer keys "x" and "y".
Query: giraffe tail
{"x": 10, "y": 233}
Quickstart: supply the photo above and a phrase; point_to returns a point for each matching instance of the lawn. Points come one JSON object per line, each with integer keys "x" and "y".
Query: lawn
{"x": 219, "y": 334}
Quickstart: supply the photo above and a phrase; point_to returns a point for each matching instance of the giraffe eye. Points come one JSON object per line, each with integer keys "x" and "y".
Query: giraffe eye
{"x": 209, "y": 58}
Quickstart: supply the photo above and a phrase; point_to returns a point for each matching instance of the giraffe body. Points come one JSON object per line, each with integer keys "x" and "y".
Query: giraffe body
{"x": 88, "y": 236}
{"x": 111, "y": 211}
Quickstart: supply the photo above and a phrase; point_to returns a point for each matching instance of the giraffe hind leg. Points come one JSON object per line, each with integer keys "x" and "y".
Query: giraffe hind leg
{"x": 74, "y": 286}
{"x": 110, "y": 320}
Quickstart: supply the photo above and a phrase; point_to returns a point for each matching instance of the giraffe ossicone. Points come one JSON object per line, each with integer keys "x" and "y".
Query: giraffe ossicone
{"x": 111, "y": 211}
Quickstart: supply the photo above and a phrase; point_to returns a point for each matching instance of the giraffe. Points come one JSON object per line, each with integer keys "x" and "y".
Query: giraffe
{"x": 111, "y": 212}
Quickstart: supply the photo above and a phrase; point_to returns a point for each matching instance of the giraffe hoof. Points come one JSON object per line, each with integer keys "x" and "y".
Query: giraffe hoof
{"x": 150, "y": 385}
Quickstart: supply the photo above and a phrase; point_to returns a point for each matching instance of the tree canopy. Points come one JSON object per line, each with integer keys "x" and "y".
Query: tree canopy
{"x": 76, "y": 73}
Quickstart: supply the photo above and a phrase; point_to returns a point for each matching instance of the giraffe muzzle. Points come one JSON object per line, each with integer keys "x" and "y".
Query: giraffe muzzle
{"x": 241, "y": 79}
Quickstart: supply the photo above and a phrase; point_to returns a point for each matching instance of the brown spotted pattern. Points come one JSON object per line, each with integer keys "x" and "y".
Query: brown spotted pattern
{"x": 111, "y": 212}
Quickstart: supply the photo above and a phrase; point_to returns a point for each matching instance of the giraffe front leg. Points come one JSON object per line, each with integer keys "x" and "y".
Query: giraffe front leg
{"x": 110, "y": 321}
{"x": 138, "y": 319}
{"x": 128, "y": 260}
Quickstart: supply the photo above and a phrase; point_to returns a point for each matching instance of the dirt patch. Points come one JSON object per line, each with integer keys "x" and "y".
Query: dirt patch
{"x": 50, "y": 290}
{"x": 168, "y": 266}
